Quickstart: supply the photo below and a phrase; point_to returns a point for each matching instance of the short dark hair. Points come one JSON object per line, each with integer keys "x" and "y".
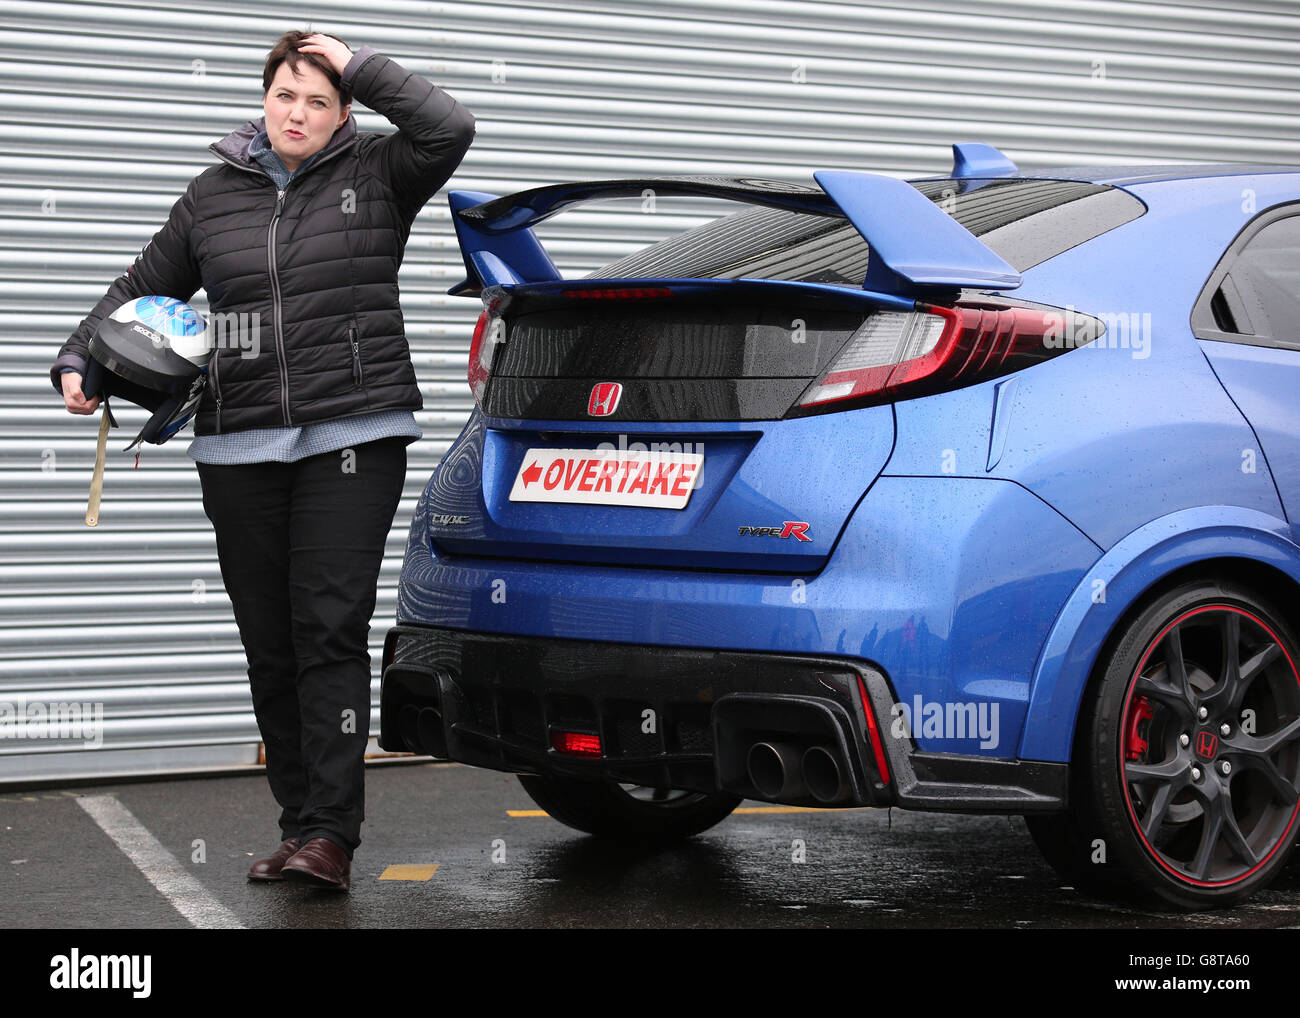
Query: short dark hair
{"x": 286, "y": 48}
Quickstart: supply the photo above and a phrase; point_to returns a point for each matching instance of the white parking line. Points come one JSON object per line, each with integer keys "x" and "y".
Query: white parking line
{"x": 159, "y": 866}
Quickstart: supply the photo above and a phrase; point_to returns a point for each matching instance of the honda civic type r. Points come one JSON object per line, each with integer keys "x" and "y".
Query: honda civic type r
{"x": 974, "y": 493}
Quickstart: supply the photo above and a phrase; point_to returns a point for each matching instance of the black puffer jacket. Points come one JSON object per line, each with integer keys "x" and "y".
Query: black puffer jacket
{"x": 317, "y": 263}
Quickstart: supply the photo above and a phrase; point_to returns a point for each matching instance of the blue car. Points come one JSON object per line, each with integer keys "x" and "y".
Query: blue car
{"x": 972, "y": 494}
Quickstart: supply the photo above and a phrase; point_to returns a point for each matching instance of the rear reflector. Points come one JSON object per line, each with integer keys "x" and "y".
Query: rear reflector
{"x": 873, "y": 733}
{"x": 898, "y": 355}
{"x": 575, "y": 743}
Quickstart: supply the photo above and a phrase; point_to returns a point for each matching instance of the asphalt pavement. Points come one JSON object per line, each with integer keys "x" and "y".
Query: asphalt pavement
{"x": 455, "y": 847}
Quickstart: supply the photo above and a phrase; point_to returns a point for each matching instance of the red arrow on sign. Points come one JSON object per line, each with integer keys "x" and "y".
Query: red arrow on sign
{"x": 533, "y": 473}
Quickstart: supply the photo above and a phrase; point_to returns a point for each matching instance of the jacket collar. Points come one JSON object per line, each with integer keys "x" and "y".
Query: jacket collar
{"x": 233, "y": 148}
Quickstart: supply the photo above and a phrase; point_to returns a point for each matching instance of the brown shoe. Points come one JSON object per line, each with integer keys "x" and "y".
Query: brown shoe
{"x": 269, "y": 869}
{"x": 321, "y": 863}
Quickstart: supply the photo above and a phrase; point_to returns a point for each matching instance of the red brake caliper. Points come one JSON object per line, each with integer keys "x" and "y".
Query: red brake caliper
{"x": 1134, "y": 744}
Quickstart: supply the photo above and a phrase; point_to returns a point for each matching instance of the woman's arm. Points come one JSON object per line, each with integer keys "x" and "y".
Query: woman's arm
{"x": 433, "y": 129}
{"x": 165, "y": 267}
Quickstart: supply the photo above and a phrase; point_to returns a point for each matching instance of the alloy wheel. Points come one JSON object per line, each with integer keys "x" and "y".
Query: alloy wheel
{"x": 1210, "y": 746}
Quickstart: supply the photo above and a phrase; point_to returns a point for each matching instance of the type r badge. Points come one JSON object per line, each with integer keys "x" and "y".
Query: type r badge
{"x": 604, "y": 398}
{"x": 797, "y": 529}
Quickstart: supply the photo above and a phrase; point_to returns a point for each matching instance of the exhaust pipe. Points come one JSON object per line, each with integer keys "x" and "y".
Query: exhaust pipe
{"x": 408, "y": 727}
{"x": 430, "y": 735}
{"x": 774, "y": 770}
{"x": 826, "y": 779}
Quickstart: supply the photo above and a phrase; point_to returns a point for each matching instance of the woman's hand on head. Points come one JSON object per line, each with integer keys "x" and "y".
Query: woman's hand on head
{"x": 73, "y": 398}
{"x": 335, "y": 52}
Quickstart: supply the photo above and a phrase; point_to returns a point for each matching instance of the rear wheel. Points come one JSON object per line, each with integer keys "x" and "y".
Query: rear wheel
{"x": 1186, "y": 786}
{"x": 628, "y": 812}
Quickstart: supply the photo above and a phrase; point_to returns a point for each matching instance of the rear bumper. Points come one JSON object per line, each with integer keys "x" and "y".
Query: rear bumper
{"x": 684, "y": 718}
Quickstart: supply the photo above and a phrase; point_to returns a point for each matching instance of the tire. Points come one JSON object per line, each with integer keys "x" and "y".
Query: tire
{"x": 1058, "y": 840}
{"x": 1202, "y": 679}
{"x": 628, "y": 812}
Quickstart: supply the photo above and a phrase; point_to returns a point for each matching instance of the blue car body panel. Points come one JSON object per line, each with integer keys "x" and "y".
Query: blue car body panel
{"x": 914, "y": 243}
{"x": 1115, "y": 583}
{"x": 746, "y": 477}
{"x": 973, "y": 159}
{"x": 526, "y": 209}
{"x": 1110, "y": 441}
{"x": 726, "y": 289}
{"x": 944, "y": 627}
{"x": 962, "y": 542}
{"x": 1263, "y": 382}
{"x": 495, "y": 260}
{"x": 1134, "y": 420}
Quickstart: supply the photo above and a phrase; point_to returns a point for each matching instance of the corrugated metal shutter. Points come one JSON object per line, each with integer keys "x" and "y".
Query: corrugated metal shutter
{"x": 106, "y": 110}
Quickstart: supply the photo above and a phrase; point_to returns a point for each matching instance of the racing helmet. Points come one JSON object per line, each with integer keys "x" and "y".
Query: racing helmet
{"x": 153, "y": 352}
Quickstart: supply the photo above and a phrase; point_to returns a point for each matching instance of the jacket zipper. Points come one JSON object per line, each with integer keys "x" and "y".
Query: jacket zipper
{"x": 280, "y": 354}
{"x": 216, "y": 385}
{"x": 281, "y": 357}
{"x": 357, "y": 377}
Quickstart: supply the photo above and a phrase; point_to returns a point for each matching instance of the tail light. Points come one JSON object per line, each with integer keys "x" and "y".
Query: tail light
{"x": 899, "y": 355}
{"x": 481, "y": 348}
{"x": 575, "y": 743}
{"x": 620, "y": 293}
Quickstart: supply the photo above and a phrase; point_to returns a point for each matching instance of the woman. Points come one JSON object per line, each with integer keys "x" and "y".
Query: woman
{"x": 297, "y": 235}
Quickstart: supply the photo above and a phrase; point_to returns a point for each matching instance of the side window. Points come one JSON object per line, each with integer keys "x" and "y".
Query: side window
{"x": 1254, "y": 294}
{"x": 1267, "y": 276}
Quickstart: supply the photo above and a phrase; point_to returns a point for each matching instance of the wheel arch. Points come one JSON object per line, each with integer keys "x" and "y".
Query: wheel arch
{"x": 1250, "y": 547}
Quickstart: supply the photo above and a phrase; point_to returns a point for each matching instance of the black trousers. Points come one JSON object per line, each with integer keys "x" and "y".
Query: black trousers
{"x": 300, "y": 546}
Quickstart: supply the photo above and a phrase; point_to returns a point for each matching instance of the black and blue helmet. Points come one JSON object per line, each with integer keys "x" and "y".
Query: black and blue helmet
{"x": 152, "y": 351}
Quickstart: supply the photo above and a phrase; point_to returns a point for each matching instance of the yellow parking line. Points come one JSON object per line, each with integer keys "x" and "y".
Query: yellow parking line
{"x": 527, "y": 813}
{"x": 409, "y": 871}
{"x": 780, "y": 809}
{"x": 35, "y": 798}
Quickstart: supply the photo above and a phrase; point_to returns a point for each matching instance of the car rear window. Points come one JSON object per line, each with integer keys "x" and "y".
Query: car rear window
{"x": 1024, "y": 221}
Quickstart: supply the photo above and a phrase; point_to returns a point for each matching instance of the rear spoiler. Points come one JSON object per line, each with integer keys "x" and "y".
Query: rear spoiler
{"x": 916, "y": 247}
